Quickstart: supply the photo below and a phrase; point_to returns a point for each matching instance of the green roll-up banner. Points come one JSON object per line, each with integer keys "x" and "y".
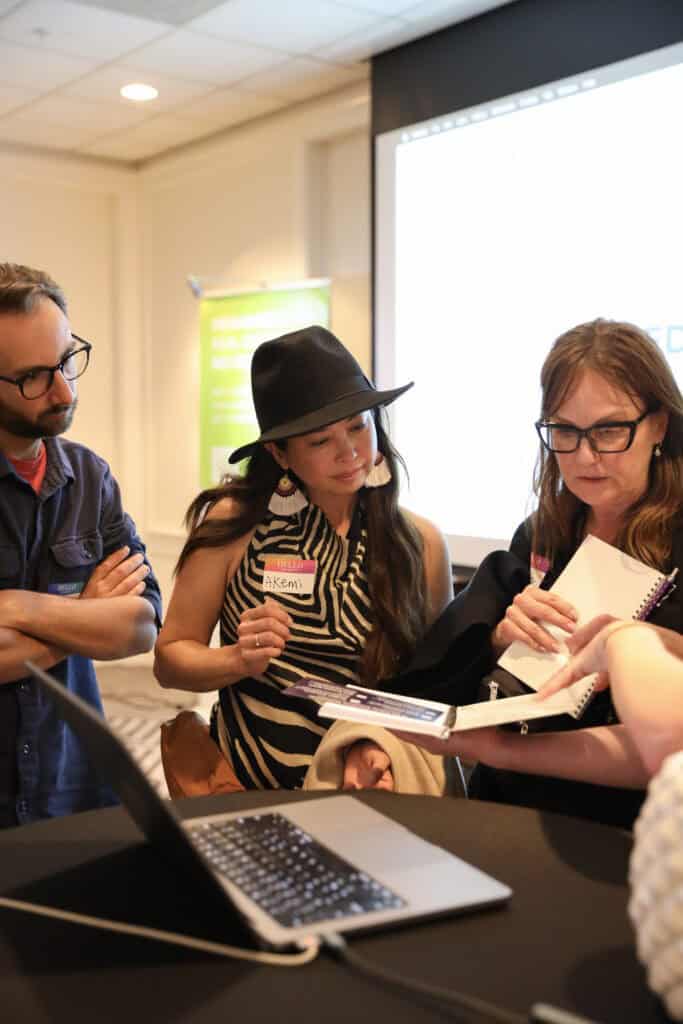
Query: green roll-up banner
{"x": 231, "y": 327}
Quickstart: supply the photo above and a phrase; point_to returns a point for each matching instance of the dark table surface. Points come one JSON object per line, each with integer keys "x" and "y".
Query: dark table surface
{"x": 563, "y": 939}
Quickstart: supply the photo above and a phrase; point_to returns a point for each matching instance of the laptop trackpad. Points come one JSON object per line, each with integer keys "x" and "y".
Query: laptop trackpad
{"x": 414, "y": 868}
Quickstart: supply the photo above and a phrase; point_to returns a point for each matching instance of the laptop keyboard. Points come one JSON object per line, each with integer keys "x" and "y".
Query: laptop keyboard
{"x": 287, "y": 872}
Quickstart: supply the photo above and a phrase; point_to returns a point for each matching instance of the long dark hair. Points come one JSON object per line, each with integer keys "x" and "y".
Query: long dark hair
{"x": 396, "y": 577}
{"x": 629, "y": 359}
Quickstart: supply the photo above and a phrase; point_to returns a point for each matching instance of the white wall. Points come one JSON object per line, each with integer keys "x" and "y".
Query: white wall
{"x": 344, "y": 237}
{"x": 78, "y": 220}
{"x": 282, "y": 199}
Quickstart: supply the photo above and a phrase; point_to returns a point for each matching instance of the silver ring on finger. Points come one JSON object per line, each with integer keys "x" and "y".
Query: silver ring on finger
{"x": 257, "y": 640}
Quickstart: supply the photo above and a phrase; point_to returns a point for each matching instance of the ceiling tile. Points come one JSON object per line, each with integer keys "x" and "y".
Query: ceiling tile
{"x": 31, "y": 132}
{"x": 435, "y": 14}
{"x": 105, "y": 84}
{"x": 12, "y": 96}
{"x": 234, "y": 61}
{"x": 229, "y": 106}
{"x": 20, "y": 65}
{"x": 383, "y": 35}
{"x": 301, "y": 77}
{"x": 194, "y": 56}
{"x": 145, "y": 140}
{"x": 298, "y": 27}
{"x": 174, "y": 12}
{"x": 379, "y": 6}
{"x": 70, "y": 28}
{"x": 98, "y": 118}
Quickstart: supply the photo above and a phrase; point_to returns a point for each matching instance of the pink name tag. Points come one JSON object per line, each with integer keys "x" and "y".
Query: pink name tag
{"x": 538, "y": 567}
{"x": 285, "y": 575}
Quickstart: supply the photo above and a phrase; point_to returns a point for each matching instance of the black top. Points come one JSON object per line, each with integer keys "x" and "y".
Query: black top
{"x": 457, "y": 654}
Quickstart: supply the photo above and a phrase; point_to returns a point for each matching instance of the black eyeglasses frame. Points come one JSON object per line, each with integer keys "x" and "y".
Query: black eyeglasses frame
{"x": 19, "y": 382}
{"x": 586, "y": 432}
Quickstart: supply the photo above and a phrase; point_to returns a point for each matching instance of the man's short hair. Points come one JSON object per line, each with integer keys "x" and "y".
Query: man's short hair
{"x": 22, "y": 287}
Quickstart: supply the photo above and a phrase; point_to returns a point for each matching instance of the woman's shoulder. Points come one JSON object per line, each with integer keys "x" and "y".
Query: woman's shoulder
{"x": 429, "y": 531}
{"x": 224, "y": 508}
{"x": 521, "y": 539}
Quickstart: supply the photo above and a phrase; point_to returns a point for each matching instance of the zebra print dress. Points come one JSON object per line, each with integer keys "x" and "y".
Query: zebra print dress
{"x": 269, "y": 738}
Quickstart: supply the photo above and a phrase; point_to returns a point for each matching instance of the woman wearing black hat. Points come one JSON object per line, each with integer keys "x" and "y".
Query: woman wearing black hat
{"x": 308, "y": 563}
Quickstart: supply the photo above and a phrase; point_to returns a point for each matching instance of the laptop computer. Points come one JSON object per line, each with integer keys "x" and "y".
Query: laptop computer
{"x": 302, "y": 869}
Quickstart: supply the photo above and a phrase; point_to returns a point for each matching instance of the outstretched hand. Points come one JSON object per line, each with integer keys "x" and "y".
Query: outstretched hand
{"x": 588, "y": 649}
{"x": 469, "y": 744}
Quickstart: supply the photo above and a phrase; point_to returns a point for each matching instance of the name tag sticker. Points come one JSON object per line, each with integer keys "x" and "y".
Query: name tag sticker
{"x": 287, "y": 575}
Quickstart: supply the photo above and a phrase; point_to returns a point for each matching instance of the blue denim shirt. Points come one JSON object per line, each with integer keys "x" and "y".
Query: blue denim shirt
{"x": 50, "y": 543}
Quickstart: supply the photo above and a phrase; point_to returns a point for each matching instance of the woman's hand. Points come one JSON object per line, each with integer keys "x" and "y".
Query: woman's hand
{"x": 262, "y": 634}
{"x": 485, "y": 744}
{"x": 589, "y": 649}
{"x": 523, "y": 617}
{"x": 367, "y": 766}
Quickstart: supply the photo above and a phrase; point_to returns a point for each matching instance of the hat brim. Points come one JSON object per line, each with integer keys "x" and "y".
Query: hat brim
{"x": 344, "y": 407}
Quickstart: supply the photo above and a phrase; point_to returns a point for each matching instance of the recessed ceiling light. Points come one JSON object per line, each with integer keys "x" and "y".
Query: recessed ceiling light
{"x": 139, "y": 92}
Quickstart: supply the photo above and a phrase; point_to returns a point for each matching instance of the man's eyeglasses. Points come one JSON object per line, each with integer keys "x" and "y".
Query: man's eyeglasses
{"x": 36, "y": 382}
{"x": 602, "y": 437}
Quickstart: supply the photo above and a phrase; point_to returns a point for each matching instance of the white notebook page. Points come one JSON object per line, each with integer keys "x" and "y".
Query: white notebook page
{"x": 598, "y": 580}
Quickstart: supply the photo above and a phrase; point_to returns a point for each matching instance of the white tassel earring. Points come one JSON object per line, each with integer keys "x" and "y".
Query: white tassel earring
{"x": 657, "y": 450}
{"x": 380, "y": 474}
{"x": 287, "y": 499}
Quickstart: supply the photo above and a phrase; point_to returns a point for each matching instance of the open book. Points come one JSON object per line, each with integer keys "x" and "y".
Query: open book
{"x": 411, "y": 714}
{"x": 599, "y": 579}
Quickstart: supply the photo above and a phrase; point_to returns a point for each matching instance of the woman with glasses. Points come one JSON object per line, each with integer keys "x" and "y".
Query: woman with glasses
{"x": 611, "y": 465}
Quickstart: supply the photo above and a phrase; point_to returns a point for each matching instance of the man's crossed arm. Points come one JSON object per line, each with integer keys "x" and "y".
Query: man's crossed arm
{"x": 110, "y": 619}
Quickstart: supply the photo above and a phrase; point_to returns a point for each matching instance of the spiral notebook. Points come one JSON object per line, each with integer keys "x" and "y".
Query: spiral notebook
{"x": 599, "y": 579}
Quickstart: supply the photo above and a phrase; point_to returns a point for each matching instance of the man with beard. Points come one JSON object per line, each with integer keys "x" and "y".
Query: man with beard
{"x": 74, "y": 582}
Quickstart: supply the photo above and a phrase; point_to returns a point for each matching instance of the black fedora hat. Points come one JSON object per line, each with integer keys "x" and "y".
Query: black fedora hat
{"x": 304, "y": 381}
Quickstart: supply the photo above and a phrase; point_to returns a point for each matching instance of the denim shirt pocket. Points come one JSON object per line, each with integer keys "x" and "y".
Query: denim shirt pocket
{"x": 10, "y": 567}
{"x": 73, "y": 560}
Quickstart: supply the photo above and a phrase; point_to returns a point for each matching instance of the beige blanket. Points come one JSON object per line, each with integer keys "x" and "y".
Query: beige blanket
{"x": 415, "y": 770}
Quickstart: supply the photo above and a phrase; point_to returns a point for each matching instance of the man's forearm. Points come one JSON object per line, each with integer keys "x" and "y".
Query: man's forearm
{"x": 16, "y": 647}
{"x": 104, "y": 628}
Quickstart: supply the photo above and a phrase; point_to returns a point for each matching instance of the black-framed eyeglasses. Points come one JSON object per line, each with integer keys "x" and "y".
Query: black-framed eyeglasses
{"x": 615, "y": 436}
{"x": 37, "y": 381}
